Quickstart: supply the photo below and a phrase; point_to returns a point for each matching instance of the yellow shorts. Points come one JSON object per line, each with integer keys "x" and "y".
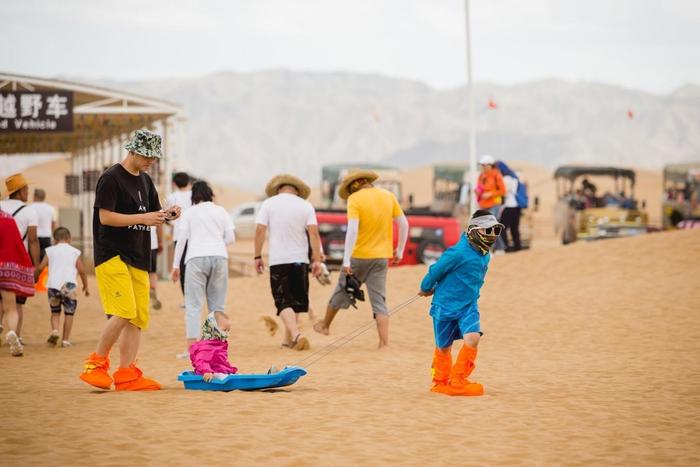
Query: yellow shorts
{"x": 124, "y": 291}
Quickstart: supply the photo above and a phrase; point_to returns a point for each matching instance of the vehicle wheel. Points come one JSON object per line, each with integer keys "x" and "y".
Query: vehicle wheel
{"x": 429, "y": 251}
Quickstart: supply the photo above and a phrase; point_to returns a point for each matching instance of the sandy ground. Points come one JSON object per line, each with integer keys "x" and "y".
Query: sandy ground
{"x": 589, "y": 357}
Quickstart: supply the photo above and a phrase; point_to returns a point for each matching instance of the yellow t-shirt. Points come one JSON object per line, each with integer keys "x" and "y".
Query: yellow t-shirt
{"x": 375, "y": 208}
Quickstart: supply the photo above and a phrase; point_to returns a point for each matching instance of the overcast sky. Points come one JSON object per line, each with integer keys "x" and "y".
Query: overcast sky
{"x": 653, "y": 45}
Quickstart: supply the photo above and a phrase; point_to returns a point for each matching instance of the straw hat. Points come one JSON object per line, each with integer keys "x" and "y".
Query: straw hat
{"x": 15, "y": 183}
{"x": 286, "y": 179}
{"x": 351, "y": 177}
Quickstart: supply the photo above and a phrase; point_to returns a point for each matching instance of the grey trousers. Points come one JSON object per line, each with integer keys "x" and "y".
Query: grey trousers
{"x": 207, "y": 277}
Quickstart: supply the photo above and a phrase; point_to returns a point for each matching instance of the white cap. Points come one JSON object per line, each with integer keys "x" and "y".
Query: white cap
{"x": 487, "y": 159}
{"x": 484, "y": 222}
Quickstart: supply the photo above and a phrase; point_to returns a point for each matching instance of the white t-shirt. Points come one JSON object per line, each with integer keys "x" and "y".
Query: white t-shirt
{"x": 205, "y": 226}
{"x": 45, "y": 215}
{"x": 286, "y": 216}
{"x": 511, "y": 184}
{"x": 182, "y": 199}
{"x": 154, "y": 238}
{"x": 25, "y": 218}
{"x": 62, "y": 269}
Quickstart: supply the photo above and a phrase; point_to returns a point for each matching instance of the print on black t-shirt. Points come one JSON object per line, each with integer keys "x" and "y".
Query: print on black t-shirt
{"x": 124, "y": 193}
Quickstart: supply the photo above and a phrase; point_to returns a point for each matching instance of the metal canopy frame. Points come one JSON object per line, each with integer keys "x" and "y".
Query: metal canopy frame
{"x": 103, "y": 120}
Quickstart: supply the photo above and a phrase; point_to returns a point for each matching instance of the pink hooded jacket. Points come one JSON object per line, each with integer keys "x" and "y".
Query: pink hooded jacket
{"x": 211, "y": 356}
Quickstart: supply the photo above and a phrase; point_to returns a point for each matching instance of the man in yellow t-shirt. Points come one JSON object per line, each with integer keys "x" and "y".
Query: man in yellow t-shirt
{"x": 368, "y": 247}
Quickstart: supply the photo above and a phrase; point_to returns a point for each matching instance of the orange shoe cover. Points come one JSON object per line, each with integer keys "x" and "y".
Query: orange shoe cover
{"x": 463, "y": 367}
{"x": 442, "y": 362}
{"x": 132, "y": 379}
{"x": 95, "y": 371}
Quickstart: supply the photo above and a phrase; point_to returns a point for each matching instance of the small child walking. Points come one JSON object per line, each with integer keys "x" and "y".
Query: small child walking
{"x": 64, "y": 264}
{"x": 209, "y": 355}
{"x": 456, "y": 280}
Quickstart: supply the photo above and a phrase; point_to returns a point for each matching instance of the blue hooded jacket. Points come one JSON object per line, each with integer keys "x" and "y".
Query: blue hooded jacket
{"x": 457, "y": 278}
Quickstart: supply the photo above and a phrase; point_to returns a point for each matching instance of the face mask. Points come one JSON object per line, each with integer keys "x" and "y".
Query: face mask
{"x": 480, "y": 240}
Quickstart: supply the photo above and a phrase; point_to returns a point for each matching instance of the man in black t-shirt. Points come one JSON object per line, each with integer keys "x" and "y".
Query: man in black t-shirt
{"x": 126, "y": 206}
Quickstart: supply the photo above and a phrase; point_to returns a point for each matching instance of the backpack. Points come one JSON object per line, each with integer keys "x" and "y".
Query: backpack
{"x": 521, "y": 196}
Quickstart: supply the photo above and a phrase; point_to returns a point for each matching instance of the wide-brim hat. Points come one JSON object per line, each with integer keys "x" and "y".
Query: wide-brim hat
{"x": 146, "y": 144}
{"x": 343, "y": 189}
{"x": 15, "y": 182}
{"x": 278, "y": 181}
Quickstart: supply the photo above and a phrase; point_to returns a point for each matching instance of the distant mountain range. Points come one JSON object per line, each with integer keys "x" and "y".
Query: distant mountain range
{"x": 245, "y": 127}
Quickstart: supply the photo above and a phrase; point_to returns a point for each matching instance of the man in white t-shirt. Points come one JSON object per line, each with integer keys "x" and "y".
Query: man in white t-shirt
{"x": 181, "y": 196}
{"x": 27, "y": 222}
{"x": 46, "y": 218}
{"x": 287, "y": 215}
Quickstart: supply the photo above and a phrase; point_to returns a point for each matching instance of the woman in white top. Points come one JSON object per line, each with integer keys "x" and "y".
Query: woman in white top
{"x": 207, "y": 229}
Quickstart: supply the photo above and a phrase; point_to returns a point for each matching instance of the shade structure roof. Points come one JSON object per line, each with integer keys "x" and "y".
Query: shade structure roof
{"x": 98, "y": 114}
{"x": 571, "y": 172}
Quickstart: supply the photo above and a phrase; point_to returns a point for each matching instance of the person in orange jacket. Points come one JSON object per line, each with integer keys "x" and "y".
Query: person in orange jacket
{"x": 491, "y": 190}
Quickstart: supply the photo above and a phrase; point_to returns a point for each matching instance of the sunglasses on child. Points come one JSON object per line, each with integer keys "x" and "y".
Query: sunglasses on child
{"x": 495, "y": 230}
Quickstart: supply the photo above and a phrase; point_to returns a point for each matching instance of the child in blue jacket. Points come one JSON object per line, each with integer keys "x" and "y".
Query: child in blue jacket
{"x": 455, "y": 280}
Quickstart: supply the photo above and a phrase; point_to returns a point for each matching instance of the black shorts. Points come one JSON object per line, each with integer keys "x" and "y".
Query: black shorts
{"x": 154, "y": 261}
{"x": 44, "y": 243}
{"x": 290, "y": 286}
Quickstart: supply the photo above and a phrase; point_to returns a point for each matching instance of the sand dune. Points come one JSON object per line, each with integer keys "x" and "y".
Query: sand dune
{"x": 589, "y": 357}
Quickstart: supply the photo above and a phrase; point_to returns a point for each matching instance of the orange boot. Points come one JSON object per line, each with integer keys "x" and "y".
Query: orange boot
{"x": 132, "y": 379}
{"x": 442, "y": 361}
{"x": 463, "y": 367}
{"x": 95, "y": 372}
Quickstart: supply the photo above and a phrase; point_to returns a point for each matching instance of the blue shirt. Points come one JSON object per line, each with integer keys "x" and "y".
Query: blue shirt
{"x": 457, "y": 278}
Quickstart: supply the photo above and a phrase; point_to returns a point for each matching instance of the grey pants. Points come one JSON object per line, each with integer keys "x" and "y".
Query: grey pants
{"x": 372, "y": 273}
{"x": 207, "y": 277}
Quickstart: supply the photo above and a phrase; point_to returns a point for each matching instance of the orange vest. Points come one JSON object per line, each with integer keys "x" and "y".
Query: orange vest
{"x": 491, "y": 181}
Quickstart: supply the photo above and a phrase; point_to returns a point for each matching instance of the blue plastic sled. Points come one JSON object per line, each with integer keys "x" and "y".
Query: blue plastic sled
{"x": 243, "y": 382}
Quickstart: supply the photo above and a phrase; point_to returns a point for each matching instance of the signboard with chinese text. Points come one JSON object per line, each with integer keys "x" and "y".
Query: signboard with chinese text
{"x": 39, "y": 111}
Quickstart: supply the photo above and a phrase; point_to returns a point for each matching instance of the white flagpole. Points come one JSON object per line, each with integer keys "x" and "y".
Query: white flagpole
{"x": 470, "y": 103}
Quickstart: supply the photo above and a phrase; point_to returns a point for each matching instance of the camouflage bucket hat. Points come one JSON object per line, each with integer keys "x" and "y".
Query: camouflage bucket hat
{"x": 146, "y": 144}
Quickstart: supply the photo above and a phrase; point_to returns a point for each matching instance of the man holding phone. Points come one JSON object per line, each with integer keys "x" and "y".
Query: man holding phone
{"x": 126, "y": 207}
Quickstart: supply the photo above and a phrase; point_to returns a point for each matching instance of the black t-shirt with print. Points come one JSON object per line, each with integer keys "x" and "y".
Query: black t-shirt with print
{"x": 124, "y": 193}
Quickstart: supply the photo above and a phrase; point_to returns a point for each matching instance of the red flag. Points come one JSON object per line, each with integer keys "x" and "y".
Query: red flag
{"x": 630, "y": 114}
{"x": 492, "y": 104}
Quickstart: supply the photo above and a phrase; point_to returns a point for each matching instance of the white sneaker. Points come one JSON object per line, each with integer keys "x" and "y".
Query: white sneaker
{"x": 66, "y": 344}
{"x": 53, "y": 337}
{"x": 16, "y": 348}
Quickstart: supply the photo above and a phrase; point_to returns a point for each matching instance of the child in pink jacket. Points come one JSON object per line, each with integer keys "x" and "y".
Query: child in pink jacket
{"x": 209, "y": 355}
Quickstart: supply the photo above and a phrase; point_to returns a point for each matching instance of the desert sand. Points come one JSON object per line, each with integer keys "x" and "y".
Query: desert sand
{"x": 589, "y": 357}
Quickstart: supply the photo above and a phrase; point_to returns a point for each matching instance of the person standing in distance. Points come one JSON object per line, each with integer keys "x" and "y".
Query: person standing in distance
{"x": 181, "y": 196}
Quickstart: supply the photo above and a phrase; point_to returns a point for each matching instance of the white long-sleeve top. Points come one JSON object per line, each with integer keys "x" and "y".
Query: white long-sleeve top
{"x": 207, "y": 229}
